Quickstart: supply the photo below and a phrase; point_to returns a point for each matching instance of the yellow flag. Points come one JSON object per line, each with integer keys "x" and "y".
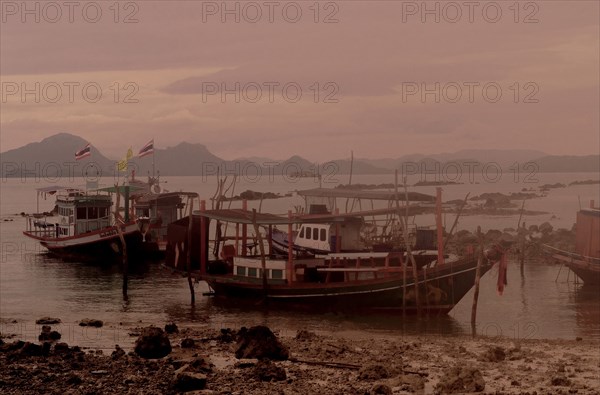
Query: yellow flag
{"x": 122, "y": 165}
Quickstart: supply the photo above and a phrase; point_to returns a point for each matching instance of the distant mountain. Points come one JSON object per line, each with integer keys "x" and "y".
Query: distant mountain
{"x": 184, "y": 159}
{"x": 567, "y": 164}
{"x": 53, "y": 157}
{"x": 505, "y": 158}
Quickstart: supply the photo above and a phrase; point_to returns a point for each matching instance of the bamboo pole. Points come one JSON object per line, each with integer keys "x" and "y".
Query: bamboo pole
{"x": 290, "y": 260}
{"x": 409, "y": 250}
{"x": 124, "y": 258}
{"x": 460, "y": 209}
{"x": 403, "y": 262}
{"x": 188, "y": 262}
{"x": 521, "y": 214}
{"x": 477, "y": 279}
{"x": 439, "y": 225}
{"x": 522, "y": 246}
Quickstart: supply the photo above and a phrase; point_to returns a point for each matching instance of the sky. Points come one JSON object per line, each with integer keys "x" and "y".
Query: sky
{"x": 317, "y": 79}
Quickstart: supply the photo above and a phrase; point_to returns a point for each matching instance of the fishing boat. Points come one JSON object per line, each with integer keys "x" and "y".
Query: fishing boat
{"x": 398, "y": 279}
{"x": 585, "y": 260}
{"x": 83, "y": 226}
{"x": 155, "y": 208}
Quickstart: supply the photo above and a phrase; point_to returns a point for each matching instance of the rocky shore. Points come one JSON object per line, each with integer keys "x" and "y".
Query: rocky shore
{"x": 258, "y": 361}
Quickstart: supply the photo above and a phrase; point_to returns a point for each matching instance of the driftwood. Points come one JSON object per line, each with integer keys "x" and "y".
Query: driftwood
{"x": 341, "y": 365}
{"x": 344, "y": 365}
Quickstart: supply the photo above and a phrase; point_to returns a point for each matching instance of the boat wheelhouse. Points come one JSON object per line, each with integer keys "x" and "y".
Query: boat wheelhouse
{"x": 155, "y": 211}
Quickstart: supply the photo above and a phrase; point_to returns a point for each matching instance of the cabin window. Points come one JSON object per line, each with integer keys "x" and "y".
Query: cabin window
{"x": 251, "y": 272}
{"x": 308, "y": 232}
{"x": 103, "y": 212}
{"x": 323, "y": 235}
{"x": 277, "y": 274}
{"x": 81, "y": 212}
{"x": 241, "y": 271}
{"x": 92, "y": 212}
{"x": 301, "y": 233}
{"x": 315, "y": 234}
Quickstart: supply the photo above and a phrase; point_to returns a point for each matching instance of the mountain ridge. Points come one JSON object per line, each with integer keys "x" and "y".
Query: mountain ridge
{"x": 55, "y": 155}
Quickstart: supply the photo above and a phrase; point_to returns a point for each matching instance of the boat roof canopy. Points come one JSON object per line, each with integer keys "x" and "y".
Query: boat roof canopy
{"x": 361, "y": 194}
{"x": 241, "y": 216}
{"x": 56, "y": 188}
{"x": 121, "y": 189}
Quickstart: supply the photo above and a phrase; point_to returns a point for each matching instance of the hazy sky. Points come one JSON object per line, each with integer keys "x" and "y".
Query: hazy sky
{"x": 382, "y": 78}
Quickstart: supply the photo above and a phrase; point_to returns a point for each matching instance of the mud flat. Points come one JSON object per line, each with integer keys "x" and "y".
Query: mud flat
{"x": 256, "y": 361}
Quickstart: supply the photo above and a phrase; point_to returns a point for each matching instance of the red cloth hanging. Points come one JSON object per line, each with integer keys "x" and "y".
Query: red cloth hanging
{"x": 502, "y": 270}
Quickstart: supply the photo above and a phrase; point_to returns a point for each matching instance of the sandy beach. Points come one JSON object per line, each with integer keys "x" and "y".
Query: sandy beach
{"x": 255, "y": 361}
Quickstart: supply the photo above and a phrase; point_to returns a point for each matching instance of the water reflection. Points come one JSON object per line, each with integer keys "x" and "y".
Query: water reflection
{"x": 586, "y": 301}
{"x": 534, "y": 303}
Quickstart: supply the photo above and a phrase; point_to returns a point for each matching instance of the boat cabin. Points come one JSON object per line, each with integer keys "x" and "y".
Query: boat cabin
{"x": 322, "y": 236}
{"x": 77, "y": 213}
{"x": 157, "y": 211}
{"x": 587, "y": 234}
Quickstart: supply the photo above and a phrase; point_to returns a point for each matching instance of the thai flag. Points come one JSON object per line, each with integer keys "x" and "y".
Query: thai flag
{"x": 147, "y": 149}
{"x": 84, "y": 152}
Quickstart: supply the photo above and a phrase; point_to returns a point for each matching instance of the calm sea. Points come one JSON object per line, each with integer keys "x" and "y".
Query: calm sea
{"x": 542, "y": 301}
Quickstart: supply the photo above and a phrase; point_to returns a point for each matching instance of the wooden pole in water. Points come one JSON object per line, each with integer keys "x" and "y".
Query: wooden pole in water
{"x": 244, "y": 230}
{"x": 409, "y": 251}
{"x": 521, "y": 214}
{"x": 477, "y": 278}
{"x": 188, "y": 262}
{"x": 290, "y": 261}
{"x": 522, "y": 245}
{"x": 203, "y": 236}
{"x": 124, "y": 257}
{"x": 261, "y": 248}
{"x": 460, "y": 209}
{"x": 439, "y": 225}
{"x": 403, "y": 262}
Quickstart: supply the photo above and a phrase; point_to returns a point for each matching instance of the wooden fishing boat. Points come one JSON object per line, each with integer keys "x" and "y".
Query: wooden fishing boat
{"x": 83, "y": 227}
{"x": 154, "y": 209}
{"x": 395, "y": 280}
{"x": 585, "y": 260}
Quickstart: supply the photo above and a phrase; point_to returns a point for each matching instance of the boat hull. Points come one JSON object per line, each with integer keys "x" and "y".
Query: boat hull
{"x": 97, "y": 245}
{"x": 586, "y": 268}
{"x": 444, "y": 288}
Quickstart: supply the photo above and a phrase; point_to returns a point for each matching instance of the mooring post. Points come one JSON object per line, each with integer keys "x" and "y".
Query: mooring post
{"x": 477, "y": 278}
{"x": 290, "y": 262}
{"x": 203, "y": 236}
{"x": 125, "y": 260}
{"x": 188, "y": 261}
{"x": 440, "y": 227}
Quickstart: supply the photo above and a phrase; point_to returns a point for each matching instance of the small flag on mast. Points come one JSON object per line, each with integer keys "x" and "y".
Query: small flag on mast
{"x": 122, "y": 165}
{"x": 84, "y": 152}
{"x": 147, "y": 149}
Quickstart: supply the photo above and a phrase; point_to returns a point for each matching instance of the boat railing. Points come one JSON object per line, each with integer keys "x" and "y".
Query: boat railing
{"x": 573, "y": 255}
{"x": 39, "y": 226}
